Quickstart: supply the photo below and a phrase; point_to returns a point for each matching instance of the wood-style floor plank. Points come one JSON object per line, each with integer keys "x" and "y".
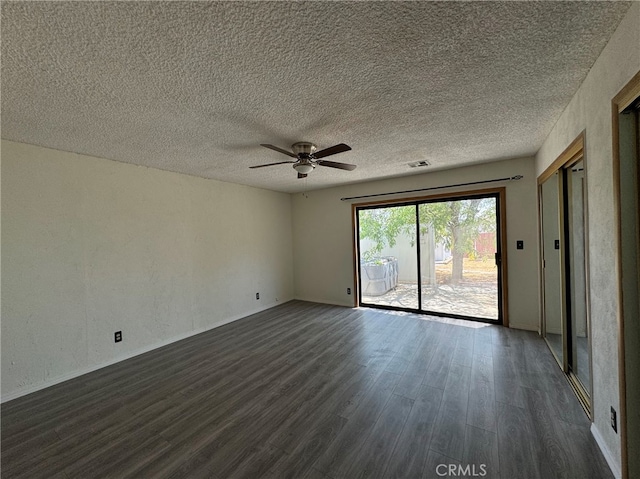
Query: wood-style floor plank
{"x": 408, "y": 457}
{"x": 482, "y": 404}
{"x": 438, "y": 466}
{"x": 450, "y": 429}
{"x": 340, "y": 454}
{"x": 312, "y": 391}
{"x": 481, "y": 452}
{"x": 518, "y": 446}
{"x": 372, "y": 458}
{"x": 308, "y": 450}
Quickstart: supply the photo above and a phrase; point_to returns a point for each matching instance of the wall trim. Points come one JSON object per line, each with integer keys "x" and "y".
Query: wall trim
{"x": 524, "y": 327}
{"x": 80, "y": 372}
{"x": 613, "y": 465}
{"x": 571, "y": 154}
{"x": 346, "y": 304}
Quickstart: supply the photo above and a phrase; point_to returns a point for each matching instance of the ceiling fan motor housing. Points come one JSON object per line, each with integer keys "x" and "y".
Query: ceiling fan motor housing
{"x": 304, "y": 148}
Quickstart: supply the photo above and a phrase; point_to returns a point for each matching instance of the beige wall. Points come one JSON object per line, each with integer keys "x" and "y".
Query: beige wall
{"x": 91, "y": 246}
{"x": 323, "y": 236}
{"x": 590, "y": 110}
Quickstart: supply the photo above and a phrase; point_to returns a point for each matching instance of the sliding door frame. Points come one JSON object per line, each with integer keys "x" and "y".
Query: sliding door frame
{"x": 501, "y": 243}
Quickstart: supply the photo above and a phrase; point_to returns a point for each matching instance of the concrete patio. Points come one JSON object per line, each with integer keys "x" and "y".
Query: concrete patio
{"x": 476, "y": 295}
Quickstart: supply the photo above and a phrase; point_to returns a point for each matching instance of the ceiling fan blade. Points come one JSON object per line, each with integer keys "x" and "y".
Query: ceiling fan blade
{"x": 272, "y": 164}
{"x": 335, "y": 164}
{"x": 302, "y": 175}
{"x": 275, "y": 148}
{"x": 332, "y": 150}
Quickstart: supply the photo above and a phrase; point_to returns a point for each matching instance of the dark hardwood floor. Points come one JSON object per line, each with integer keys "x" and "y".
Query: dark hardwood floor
{"x": 313, "y": 391}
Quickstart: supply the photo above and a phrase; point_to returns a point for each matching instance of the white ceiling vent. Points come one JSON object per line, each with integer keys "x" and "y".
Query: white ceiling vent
{"x": 418, "y": 164}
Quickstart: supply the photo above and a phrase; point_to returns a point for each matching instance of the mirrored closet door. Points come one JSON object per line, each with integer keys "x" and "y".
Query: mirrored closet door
{"x": 563, "y": 244}
{"x": 552, "y": 265}
{"x": 576, "y": 268}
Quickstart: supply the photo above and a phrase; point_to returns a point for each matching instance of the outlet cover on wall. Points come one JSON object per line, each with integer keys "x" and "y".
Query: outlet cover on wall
{"x": 257, "y": 295}
{"x": 118, "y": 336}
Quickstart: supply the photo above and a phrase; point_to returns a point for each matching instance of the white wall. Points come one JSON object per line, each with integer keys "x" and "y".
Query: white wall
{"x": 590, "y": 110}
{"x": 323, "y": 235}
{"x": 403, "y": 251}
{"x": 92, "y": 246}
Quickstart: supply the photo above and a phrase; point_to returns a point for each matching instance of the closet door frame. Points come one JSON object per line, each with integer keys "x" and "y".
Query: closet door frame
{"x": 573, "y": 154}
{"x": 628, "y": 95}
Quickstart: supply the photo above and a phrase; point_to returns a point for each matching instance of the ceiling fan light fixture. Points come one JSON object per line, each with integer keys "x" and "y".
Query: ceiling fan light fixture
{"x": 303, "y": 168}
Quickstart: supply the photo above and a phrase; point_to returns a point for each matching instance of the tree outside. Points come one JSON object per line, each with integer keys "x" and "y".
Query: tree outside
{"x": 456, "y": 224}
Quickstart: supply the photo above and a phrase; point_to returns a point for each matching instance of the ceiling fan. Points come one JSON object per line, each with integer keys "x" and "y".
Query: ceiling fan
{"x": 307, "y": 158}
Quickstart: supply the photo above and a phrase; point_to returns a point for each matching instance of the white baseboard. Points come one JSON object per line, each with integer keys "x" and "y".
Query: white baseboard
{"x": 613, "y": 464}
{"x": 326, "y": 301}
{"x": 554, "y": 331}
{"x": 524, "y": 327}
{"x": 79, "y": 372}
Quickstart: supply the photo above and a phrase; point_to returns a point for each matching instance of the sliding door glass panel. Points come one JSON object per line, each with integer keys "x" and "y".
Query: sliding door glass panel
{"x": 388, "y": 251}
{"x": 579, "y": 364}
{"x": 458, "y": 246}
{"x": 550, "y": 208}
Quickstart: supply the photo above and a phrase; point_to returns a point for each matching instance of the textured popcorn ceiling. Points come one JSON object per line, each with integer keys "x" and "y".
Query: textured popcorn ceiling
{"x": 196, "y": 87}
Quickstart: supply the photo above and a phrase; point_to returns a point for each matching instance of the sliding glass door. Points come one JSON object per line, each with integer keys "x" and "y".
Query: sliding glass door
{"x": 460, "y": 274}
{"x": 437, "y": 256}
{"x": 388, "y": 269}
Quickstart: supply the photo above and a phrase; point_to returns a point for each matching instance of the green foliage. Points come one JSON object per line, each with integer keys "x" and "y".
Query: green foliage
{"x": 384, "y": 225}
{"x": 456, "y": 224}
{"x": 371, "y": 256}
